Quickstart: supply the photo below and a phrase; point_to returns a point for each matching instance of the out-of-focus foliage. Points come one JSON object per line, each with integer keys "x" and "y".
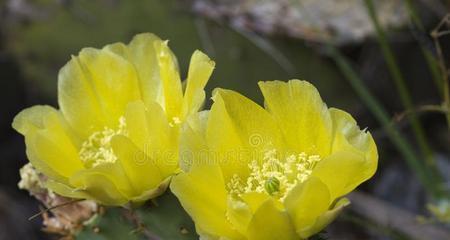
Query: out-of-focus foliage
{"x": 164, "y": 219}
{"x": 441, "y": 210}
{"x": 44, "y": 38}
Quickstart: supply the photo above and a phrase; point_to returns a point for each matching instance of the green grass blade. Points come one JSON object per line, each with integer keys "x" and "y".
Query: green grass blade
{"x": 402, "y": 90}
{"x": 432, "y": 62}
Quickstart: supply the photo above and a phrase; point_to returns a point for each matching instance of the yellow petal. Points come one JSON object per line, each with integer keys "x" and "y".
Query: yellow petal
{"x": 198, "y": 122}
{"x": 152, "y": 192}
{"x": 170, "y": 78}
{"x": 193, "y": 146}
{"x": 119, "y": 49}
{"x": 147, "y": 125}
{"x": 240, "y": 210}
{"x": 254, "y": 200}
{"x": 207, "y": 236}
{"x": 301, "y": 113}
{"x": 105, "y": 183}
{"x": 32, "y": 118}
{"x": 348, "y": 136}
{"x": 77, "y": 99}
{"x": 354, "y": 156}
{"x": 65, "y": 190}
{"x": 306, "y": 202}
{"x": 200, "y": 69}
{"x": 150, "y": 131}
{"x": 239, "y": 131}
{"x": 50, "y": 145}
{"x": 143, "y": 55}
{"x": 325, "y": 219}
{"x": 102, "y": 190}
{"x": 142, "y": 171}
{"x": 202, "y": 194}
{"x": 239, "y": 214}
{"x": 342, "y": 172}
{"x": 137, "y": 123}
{"x": 113, "y": 79}
{"x": 269, "y": 222}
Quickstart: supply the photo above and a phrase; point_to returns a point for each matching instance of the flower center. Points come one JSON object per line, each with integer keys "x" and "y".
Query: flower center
{"x": 274, "y": 176}
{"x": 97, "y": 148}
{"x": 175, "y": 121}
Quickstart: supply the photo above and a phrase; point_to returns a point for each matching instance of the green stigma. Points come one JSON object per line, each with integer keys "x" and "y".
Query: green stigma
{"x": 272, "y": 185}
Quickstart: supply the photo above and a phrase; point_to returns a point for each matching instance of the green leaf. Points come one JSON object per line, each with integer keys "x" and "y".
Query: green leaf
{"x": 165, "y": 219}
{"x": 112, "y": 225}
{"x": 319, "y": 236}
{"x": 168, "y": 220}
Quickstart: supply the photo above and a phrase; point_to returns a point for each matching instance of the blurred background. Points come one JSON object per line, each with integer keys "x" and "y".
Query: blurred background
{"x": 384, "y": 61}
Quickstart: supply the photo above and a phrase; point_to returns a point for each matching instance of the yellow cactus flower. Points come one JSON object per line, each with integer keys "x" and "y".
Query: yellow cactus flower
{"x": 278, "y": 172}
{"x": 115, "y": 137}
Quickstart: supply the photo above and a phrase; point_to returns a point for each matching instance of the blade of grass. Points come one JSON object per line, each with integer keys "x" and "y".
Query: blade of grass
{"x": 427, "y": 51}
{"x": 405, "y": 149}
{"x": 402, "y": 90}
{"x": 434, "y": 69}
{"x": 205, "y": 38}
{"x": 436, "y": 66}
{"x": 436, "y": 34}
{"x": 422, "y": 109}
{"x": 267, "y": 47}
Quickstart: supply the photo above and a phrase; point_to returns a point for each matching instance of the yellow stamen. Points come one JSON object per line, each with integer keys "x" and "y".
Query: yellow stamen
{"x": 97, "y": 148}
{"x": 274, "y": 176}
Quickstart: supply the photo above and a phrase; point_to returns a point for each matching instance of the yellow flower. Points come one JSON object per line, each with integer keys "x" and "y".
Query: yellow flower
{"x": 277, "y": 172}
{"x": 115, "y": 137}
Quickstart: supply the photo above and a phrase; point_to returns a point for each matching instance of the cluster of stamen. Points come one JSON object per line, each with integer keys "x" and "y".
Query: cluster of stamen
{"x": 97, "y": 148}
{"x": 274, "y": 176}
{"x": 175, "y": 121}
